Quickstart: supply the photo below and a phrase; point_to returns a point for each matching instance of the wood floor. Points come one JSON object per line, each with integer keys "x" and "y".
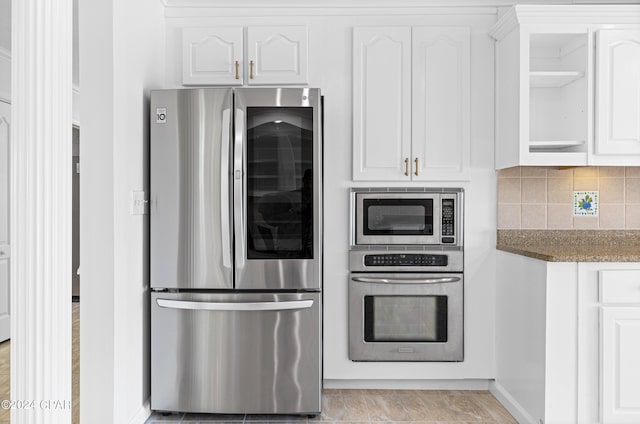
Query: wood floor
{"x": 5, "y": 359}
{"x": 378, "y": 406}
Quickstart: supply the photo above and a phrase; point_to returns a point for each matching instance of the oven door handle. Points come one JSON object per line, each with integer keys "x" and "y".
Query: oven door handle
{"x": 436, "y": 280}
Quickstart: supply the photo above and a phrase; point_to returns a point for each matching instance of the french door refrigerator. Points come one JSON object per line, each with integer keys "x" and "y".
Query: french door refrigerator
{"x": 235, "y": 242}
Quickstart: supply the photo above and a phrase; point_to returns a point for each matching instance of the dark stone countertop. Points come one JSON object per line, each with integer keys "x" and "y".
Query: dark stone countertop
{"x": 572, "y": 245}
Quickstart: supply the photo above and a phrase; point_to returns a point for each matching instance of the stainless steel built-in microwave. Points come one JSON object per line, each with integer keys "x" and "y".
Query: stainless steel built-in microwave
{"x": 397, "y": 216}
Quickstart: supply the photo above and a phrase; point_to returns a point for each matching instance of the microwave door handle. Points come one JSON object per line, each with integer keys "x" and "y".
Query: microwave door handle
{"x": 234, "y": 306}
{"x": 238, "y": 188}
{"x": 379, "y": 280}
{"x": 225, "y": 210}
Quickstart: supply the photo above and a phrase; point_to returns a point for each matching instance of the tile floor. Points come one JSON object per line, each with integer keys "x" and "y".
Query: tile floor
{"x": 378, "y": 406}
{"x": 5, "y": 360}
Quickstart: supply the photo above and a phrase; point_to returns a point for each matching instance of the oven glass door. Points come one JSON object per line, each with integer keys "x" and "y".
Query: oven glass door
{"x": 405, "y": 318}
{"x": 397, "y": 218}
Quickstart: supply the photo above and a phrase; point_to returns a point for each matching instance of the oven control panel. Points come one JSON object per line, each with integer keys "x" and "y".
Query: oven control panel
{"x": 448, "y": 221}
{"x": 402, "y": 259}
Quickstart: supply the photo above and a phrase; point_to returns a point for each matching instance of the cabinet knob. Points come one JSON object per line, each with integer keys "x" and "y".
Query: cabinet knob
{"x": 406, "y": 166}
{"x": 251, "y": 69}
{"x": 237, "y": 70}
{"x": 416, "y": 161}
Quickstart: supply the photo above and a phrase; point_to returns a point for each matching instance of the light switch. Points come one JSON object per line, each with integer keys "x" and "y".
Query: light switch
{"x": 138, "y": 203}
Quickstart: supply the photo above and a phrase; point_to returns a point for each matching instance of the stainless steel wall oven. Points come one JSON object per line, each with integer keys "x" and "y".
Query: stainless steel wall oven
{"x": 406, "y": 283}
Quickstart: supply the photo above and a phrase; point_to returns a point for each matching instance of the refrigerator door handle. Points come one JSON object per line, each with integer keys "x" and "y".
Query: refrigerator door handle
{"x": 238, "y": 188}
{"x": 224, "y": 189}
{"x": 235, "y": 306}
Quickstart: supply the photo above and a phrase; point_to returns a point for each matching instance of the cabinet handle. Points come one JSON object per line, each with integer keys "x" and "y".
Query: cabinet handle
{"x": 251, "y": 69}
{"x": 237, "y": 70}
{"x": 416, "y": 166}
{"x": 406, "y": 166}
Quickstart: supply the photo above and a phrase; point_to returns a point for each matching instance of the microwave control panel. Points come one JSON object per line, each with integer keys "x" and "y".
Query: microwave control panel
{"x": 402, "y": 259}
{"x": 448, "y": 221}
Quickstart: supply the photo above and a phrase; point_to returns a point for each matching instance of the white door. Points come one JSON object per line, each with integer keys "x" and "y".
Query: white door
{"x": 276, "y": 55}
{"x": 441, "y": 86}
{"x": 5, "y": 119}
{"x": 382, "y": 103}
{"x": 212, "y": 56}
{"x": 620, "y": 365}
{"x": 618, "y": 92}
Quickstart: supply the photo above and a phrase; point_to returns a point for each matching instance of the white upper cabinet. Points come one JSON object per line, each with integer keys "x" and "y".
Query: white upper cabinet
{"x": 212, "y": 56}
{"x": 411, "y": 103}
{"x": 618, "y": 92}
{"x": 558, "y": 67}
{"x": 277, "y": 55}
{"x": 218, "y": 56}
{"x": 382, "y": 103}
{"x": 441, "y": 84}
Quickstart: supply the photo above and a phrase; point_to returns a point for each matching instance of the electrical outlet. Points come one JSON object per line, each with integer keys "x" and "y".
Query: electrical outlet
{"x": 138, "y": 203}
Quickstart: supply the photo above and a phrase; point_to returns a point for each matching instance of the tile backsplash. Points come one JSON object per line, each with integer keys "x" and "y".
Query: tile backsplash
{"x": 543, "y": 197}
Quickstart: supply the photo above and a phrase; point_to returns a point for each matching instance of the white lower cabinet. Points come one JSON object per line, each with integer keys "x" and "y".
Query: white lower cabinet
{"x": 620, "y": 364}
{"x": 568, "y": 341}
{"x": 612, "y": 364}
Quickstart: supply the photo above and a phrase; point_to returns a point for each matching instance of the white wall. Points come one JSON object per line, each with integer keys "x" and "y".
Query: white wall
{"x": 5, "y": 24}
{"x": 330, "y": 68}
{"x": 5, "y": 50}
{"x": 121, "y": 58}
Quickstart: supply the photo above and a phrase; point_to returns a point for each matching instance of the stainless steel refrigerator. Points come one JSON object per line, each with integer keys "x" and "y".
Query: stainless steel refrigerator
{"x": 236, "y": 250}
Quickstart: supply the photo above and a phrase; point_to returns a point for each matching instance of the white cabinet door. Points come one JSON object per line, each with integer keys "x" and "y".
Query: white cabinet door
{"x": 620, "y": 365}
{"x": 5, "y": 119}
{"x": 441, "y": 86}
{"x": 618, "y": 92}
{"x": 276, "y": 55}
{"x": 382, "y": 103}
{"x": 212, "y": 56}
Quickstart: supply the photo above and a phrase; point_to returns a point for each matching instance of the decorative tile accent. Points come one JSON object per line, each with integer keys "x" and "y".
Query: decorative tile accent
{"x": 585, "y": 203}
{"x": 519, "y": 187}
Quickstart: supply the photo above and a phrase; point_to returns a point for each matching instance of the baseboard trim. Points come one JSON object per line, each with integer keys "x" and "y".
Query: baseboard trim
{"x": 143, "y": 413}
{"x": 510, "y": 404}
{"x": 476, "y": 384}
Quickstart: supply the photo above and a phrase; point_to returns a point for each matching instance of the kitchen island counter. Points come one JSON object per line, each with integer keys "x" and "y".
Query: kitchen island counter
{"x": 572, "y": 245}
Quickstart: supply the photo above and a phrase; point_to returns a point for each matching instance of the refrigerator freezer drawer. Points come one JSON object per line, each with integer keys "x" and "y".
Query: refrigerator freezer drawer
{"x": 254, "y": 353}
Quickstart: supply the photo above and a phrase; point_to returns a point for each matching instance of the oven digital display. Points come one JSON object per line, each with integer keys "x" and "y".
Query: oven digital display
{"x": 402, "y": 259}
{"x": 405, "y": 319}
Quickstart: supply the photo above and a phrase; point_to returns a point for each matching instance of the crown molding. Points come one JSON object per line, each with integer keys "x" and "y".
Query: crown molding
{"x": 317, "y": 10}
{"x": 342, "y": 4}
{"x": 529, "y": 14}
